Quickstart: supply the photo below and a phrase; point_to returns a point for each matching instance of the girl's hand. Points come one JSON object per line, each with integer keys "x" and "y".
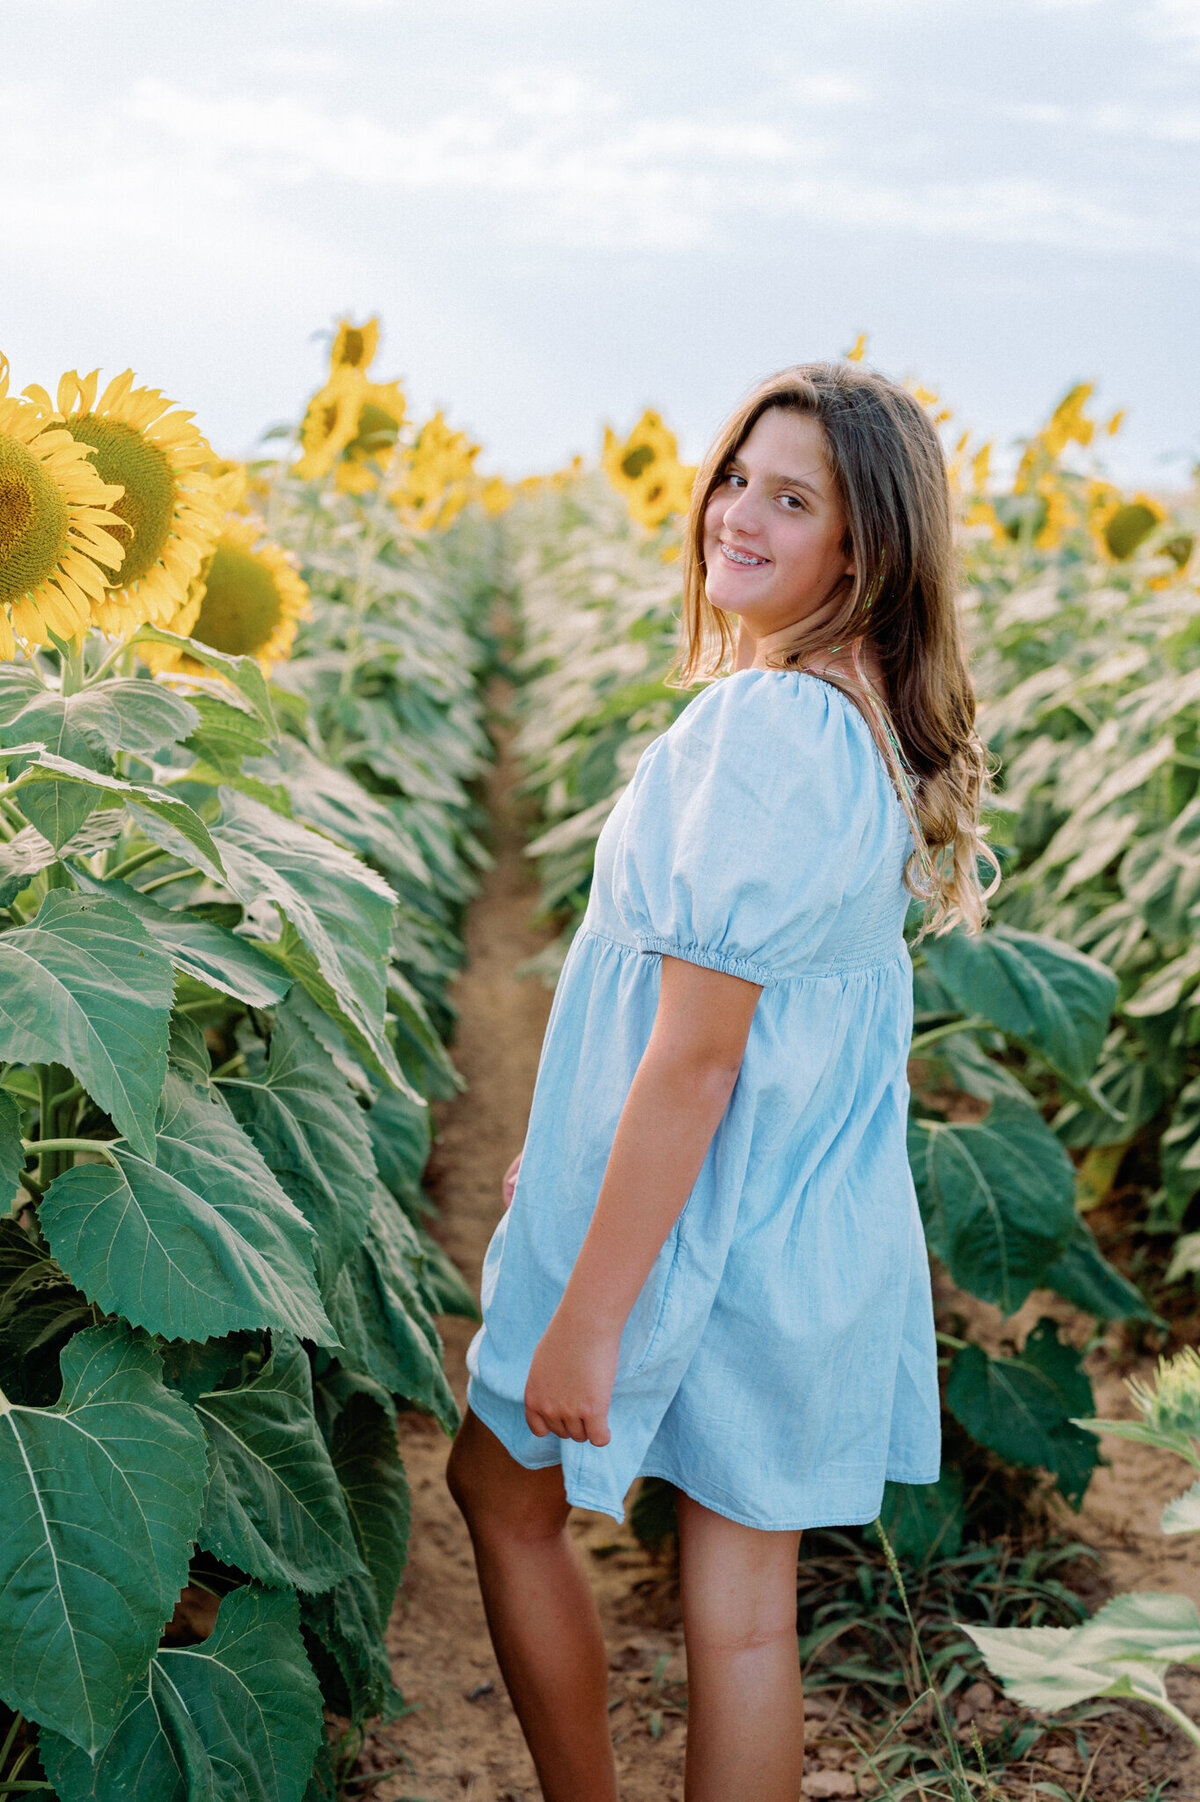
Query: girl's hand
{"x": 510, "y": 1180}
{"x": 571, "y": 1381}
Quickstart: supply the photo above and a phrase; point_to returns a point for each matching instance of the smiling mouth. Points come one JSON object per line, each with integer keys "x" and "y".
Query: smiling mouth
{"x": 742, "y": 559}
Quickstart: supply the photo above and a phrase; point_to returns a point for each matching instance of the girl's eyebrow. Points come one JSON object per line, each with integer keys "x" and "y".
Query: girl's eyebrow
{"x": 773, "y": 475}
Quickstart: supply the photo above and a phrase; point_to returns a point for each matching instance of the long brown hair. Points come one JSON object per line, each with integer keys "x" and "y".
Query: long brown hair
{"x": 887, "y": 462}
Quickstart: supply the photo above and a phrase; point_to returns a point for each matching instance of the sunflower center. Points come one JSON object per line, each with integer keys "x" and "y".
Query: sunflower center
{"x": 33, "y": 521}
{"x": 636, "y": 460}
{"x": 241, "y": 605}
{"x": 127, "y": 456}
{"x": 352, "y": 347}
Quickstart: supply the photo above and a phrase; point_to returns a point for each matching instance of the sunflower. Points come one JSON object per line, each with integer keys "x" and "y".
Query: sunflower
{"x": 646, "y": 470}
{"x": 1125, "y": 526}
{"x": 169, "y": 507}
{"x": 437, "y": 477}
{"x": 249, "y": 599}
{"x": 330, "y": 422}
{"x": 354, "y": 346}
{"x": 381, "y": 414}
{"x": 55, "y": 528}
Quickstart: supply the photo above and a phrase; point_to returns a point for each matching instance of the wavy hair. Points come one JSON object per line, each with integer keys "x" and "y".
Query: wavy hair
{"x": 890, "y": 471}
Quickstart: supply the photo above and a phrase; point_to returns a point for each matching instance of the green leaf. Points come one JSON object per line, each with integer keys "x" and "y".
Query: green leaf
{"x": 331, "y": 800}
{"x": 103, "y": 1497}
{"x": 997, "y": 1198}
{"x": 304, "y": 1119}
{"x": 369, "y": 1468}
{"x": 39, "y": 1311}
{"x": 187, "y": 1050}
{"x": 229, "y": 729}
{"x": 1183, "y": 1514}
{"x": 401, "y": 1136}
{"x": 1124, "y": 1650}
{"x": 381, "y": 1318}
{"x": 242, "y": 672}
{"x": 337, "y": 912}
{"x": 346, "y": 1642}
{"x": 275, "y": 1507}
{"x": 200, "y": 948}
{"x": 195, "y": 1246}
{"x": 1051, "y": 997}
{"x": 1133, "y": 1091}
{"x": 12, "y": 1155}
{"x": 924, "y": 1520}
{"x": 1083, "y": 1275}
{"x": 20, "y": 860}
{"x": 237, "y": 1717}
{"x": 18, "y": 686}
{"x": 1180, "y": 1149}
{"x": 1022, "y": 1407}
{"x": 57, "y": 796}
{"x": 85, "y": 985}
{"x": 54, "y": 722}
{"x": 441, "y": 1281}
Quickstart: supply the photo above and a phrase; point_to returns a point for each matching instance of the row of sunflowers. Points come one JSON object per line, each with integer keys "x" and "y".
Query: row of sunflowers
{"x": 230, "y": 912}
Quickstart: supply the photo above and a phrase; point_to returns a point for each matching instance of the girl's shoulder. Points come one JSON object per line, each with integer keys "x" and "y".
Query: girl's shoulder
{"x": 776, "y": 713}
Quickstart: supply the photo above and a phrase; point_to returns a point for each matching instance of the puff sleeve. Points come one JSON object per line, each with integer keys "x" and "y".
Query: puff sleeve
{"x": 748, "y": 824}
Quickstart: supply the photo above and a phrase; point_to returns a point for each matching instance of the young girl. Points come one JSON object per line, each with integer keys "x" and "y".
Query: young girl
{"x": 713, "y": 1268}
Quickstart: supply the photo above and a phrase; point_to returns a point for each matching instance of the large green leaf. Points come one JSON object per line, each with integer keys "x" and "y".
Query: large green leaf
{"x": 229, "y": 728}
{"x": 337, "y": 914}
{"x": 27, "y": 851}
{"x": 346, "y": 1643}
{"x": 367, "y": 1459}
{"x": 118, "y": 715}
{"x": 924, "y": 1519}
{"x": 195, "y": 1246}
{"x": 1124, "y": 1650}
{"x": 102, "y": 1502}
{"x": 274, "y": 1507}
{"x": 1022, "y": 1407}
{"x": 85, "y": 985}
{"x": 18, "y": 686}
{"x": 1180, "y": 1149}
{"x": 303, "y": 1117}
{"x": 1083, "y": 1275}
{"x": 39, "y": 1311}
{"x": 1044, "y": 993}
{"x": 243, "y": 673}
{"x": 12, "y": 1155}
{"x": 330, "y": 799}
{"x": 997, "y": 1198}
{"x": 57, "y": 796}
{"x": 401, "y": 1135}
{"x": 234, "y": 1719}
{"x": 198, "y": 947}
{"x": 381, "y": 1319}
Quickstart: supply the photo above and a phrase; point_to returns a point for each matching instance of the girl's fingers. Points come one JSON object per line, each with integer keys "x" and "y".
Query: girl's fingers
{"x": 536, "y": 1423}
{"x": 597, "y": 1429}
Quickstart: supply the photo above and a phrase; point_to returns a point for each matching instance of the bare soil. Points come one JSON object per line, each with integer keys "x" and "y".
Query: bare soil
{"x": 460, "y": 1742}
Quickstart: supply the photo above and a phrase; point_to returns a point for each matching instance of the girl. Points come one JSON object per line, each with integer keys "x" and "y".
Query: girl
{"x": 713, "y": 1267}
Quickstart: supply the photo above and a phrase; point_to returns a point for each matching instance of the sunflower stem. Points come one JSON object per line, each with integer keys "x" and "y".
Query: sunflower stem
{"x": 72, "y": 667}
{"x": 923, "y": 1040}
{"x": 36, "y": 1147}
{"x": 175, "y": 876}
{"x": 102, "y": 669}
{"x": 136, "y": 862}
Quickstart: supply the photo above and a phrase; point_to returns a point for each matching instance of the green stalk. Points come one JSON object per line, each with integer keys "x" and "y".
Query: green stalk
{"x": 175, "y": 876}
{"x": 102, "y": 669}
{"x": 1184, "y": 1722}
{"x": 924, "y": 1039}
{"x": 37, "y": 1147}
{"x": 136, "y": 862}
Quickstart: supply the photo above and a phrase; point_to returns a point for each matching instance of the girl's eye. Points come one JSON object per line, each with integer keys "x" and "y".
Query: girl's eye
{"x": 732, "y": 478}
{"x": 794, "y": 503}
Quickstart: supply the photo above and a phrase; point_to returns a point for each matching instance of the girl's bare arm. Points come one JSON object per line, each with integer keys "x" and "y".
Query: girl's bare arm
{"x": 679, "y": 1092}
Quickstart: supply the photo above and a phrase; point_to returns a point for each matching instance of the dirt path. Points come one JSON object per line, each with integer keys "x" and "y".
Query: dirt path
{"x": 461, "y": 1741}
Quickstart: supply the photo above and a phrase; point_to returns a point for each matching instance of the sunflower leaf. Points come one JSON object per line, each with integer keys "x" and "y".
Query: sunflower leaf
{"x": 371, "y": 1472}
{"x": 194, "y": 1246}
{"x": 302, "y": 1116}
{"x": 275, "y": 1507}
{"x": 243, "y": 672}
{"x": 104, "y": 1493}
{"x": 84, "y": 984}
{"x": 1024, "y": 1407}
{"x": 238, "y": 1716}
{"x": 57, "y": 796}
{"x": 199, "y": 948}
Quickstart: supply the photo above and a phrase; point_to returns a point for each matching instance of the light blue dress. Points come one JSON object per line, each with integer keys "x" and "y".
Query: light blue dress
{"x": 779, "y": 1362}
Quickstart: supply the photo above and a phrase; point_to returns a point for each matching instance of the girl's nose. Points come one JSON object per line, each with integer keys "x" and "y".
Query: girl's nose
{"x": 740, "y": 513}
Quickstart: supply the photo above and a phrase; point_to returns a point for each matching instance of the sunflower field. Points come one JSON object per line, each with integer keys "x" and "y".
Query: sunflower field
{"x": 230, "y": 911}
{"x": 241, "y": 727}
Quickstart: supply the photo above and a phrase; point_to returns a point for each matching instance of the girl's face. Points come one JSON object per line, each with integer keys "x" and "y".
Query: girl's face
{"x": 774, "y": 527}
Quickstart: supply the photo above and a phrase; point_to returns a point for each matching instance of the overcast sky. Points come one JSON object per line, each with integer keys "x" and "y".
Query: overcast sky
{"x": 565, "y": 212}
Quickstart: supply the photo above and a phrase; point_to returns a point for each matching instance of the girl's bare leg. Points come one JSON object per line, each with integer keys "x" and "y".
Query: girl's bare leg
{"x": 745, "y": 1703}
{"x": 541, "y": 1614}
